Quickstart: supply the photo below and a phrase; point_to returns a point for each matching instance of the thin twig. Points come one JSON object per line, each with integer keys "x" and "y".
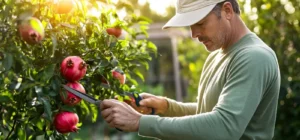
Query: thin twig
{"x": 12, "y": 129}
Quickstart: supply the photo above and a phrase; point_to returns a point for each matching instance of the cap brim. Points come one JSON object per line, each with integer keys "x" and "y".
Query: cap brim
{"x": 189, "y": 18}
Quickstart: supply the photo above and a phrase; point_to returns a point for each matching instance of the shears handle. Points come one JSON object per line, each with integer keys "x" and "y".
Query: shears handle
{"x": 138, "y": 98}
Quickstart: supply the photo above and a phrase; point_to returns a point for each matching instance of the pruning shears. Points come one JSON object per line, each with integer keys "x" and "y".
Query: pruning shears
{"x": 135, "y": 97}
{"x": 85, "y": 97}
{"x": 128, "y": 96}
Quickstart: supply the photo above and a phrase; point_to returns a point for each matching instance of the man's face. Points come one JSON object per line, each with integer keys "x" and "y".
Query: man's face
{"x": 211, "y": 31}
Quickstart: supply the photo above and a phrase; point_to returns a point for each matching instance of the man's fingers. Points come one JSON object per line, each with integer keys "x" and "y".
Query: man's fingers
{"x": 114, "y": 121}
{"x": 106, "y": 112}
{"x": 141, "y": 109}
{"x": 107, "y": 103}
{"x": 145, "y": 95}
{"x": 147, "y": 102}
{"x": 112, "y": 118}
{"x": 114, "y": 125}
{"x": 144, "y": 110}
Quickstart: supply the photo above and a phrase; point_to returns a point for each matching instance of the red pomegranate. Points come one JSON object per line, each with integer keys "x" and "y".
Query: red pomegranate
{"x": 70, "y": 98}
{"x": 118, "y": 74}
{"x": 104, "y": 81}
{"x": 115, "y": 31}
{"x": 66, "y": 122}
{"x": 31, "y": 30}
{"x": 73, "y": 68}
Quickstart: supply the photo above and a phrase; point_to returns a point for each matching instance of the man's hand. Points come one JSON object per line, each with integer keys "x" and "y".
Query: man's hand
{"x": 141, "y": 109}
{"x": 160, "y": 104}
{"x": 132, "y": 103}
{"x": 120, "y": 115}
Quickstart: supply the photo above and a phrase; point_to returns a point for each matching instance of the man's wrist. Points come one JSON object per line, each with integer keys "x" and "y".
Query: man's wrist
{"x": 165, "y": 105}
{"x": 138, "y": 122}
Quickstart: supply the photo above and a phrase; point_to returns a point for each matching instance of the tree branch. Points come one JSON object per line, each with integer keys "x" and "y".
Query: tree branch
{"x": 12, "y": 129}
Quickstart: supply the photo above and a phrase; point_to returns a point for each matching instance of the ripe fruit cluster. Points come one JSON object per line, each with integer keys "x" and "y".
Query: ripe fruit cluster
{"x": 72, "y": 68}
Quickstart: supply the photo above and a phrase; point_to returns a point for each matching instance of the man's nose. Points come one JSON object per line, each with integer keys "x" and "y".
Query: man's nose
{"x": 195, "y": 33}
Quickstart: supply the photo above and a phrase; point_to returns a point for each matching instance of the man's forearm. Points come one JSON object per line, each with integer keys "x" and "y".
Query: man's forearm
{"x": 203, "y": 126}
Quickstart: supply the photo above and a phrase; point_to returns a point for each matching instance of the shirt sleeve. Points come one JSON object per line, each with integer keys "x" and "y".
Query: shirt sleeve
{"x": 176, "y": 109}
{"x": 241, "y": 95}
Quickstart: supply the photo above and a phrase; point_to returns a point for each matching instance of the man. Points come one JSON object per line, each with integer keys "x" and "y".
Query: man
{"x": 238, "y": 88}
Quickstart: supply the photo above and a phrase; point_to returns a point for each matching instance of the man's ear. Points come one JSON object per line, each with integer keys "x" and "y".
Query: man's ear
{"x": 227, "y": 8}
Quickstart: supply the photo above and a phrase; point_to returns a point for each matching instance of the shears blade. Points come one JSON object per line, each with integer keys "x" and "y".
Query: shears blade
{"x": 83, "y": 96}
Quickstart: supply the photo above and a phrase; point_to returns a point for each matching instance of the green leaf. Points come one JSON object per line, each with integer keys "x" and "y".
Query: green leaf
{"x": 152, "y": 47}
{"x": 139, "y": 74}
{"x": 39, "y": 125}
{"x": 21, "y": 133}
{"x": 144, "y": 20}
{"x": 55, "y": 83}
{"x": 84, "y": 107}
{"x": 8, "y": 61}
{"x": 47, "y": 108}
{"x": 145, "y": 64}
{"x": 95, "y": 113}
{"x": 53, "y": 93}
{"x": 26, "y": 85}
{"x": 54, "y": 42}
{"x": 48, "y": 72}
{"x": 4, "y": 99}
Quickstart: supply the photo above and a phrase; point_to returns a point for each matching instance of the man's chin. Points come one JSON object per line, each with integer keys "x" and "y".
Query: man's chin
{"x": 210, "y": 49}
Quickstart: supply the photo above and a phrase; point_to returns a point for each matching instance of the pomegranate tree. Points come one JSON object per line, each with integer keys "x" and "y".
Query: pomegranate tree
{"x": 41, "y": 50}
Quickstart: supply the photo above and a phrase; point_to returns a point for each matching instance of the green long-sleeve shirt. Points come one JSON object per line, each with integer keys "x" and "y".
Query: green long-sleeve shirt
{"x": 237, "y": 98}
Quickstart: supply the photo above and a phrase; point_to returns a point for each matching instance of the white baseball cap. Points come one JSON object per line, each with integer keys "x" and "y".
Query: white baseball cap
{"x": 189, "y": 12}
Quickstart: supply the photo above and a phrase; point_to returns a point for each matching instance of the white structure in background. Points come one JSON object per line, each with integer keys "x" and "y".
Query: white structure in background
{"x": 169, "y": 38}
